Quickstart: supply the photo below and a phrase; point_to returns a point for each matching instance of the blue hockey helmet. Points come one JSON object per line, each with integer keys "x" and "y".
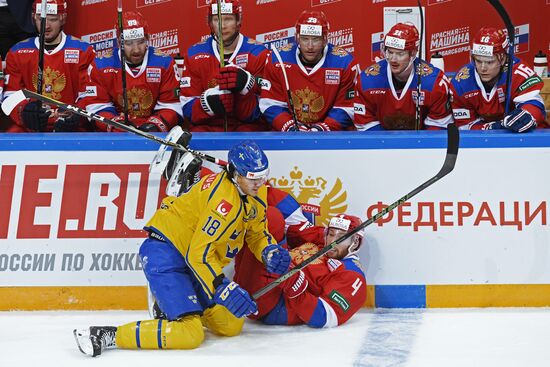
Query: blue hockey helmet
{"x": 248, "y": 160}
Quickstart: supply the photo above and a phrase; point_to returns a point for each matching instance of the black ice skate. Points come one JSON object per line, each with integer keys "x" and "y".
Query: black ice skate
{"x": 94, "y": 340}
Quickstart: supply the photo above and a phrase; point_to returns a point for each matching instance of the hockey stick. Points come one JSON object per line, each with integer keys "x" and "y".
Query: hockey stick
{"x": 222, "y": 52}
{"x": 42, "y": 43}
{"x": 23, "y": 94}
{"x": 512, "y": 39}
{"x": 287, "y": 85}
{"x": 448, "y": 166}
{"x": 419, "y": 69}
{"x": 123, "y": 64}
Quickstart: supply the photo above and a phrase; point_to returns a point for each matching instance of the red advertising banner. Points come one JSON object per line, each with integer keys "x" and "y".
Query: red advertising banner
{"x": 357, "y": 25}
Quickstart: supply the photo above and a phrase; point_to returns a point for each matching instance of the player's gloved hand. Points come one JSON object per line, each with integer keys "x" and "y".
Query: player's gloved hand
{"x": 276, "y": 259}
{"x": 234, "y": 298}
{"x": 235, "y": 79}
{"x": 290, "y": 125}
{"x": 216, "y": 102}
{"x": 295, "y": 285}
{"x": 34, "y": 116}
{"x": 121, "y": 119}
{"x": 495, "y": 125}
{"x": 154, "y": 124}
{"x": 67, "y": 123}
{"x": 321, "y": 126}
{"x": 520, "y": 121}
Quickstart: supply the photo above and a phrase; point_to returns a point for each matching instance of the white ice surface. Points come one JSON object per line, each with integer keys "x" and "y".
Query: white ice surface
{"x": 412, "y": 338}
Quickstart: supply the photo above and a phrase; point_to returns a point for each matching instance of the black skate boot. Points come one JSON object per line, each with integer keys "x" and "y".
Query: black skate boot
{"x": 94, "y": 340}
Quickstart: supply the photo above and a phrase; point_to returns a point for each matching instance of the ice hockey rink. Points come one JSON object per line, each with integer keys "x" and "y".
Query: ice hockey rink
{"x": 408, "y": 337}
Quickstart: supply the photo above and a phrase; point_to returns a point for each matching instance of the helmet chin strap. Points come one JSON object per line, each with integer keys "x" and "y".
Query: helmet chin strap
{"x": 234, "y": 179}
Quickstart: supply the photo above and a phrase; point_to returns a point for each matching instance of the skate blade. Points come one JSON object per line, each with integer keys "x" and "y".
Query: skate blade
{"x": 83, "y": 341}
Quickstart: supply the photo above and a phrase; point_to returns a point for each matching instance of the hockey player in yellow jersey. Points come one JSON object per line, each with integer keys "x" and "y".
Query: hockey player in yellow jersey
{"x": 191, "y": 239}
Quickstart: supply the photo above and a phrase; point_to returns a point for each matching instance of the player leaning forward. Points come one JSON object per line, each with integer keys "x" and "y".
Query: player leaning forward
{"x": 191, "y": 239}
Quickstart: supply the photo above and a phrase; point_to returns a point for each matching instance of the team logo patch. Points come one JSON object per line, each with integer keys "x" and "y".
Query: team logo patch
{"x": 333, "y": 264}
{"x": 501, "y": 95}
{"x": 72, "y": 56}
{"x": 462, "y": 74}
{"x": 461, "y": 113}
{"x": 208, "y": 182}
{"x": 339, "y": 300}
{"x": 224, "y": 207}
{"x": 332, "y": 77}
{"x": 153, "y": 75}
{"x": 241, "y": 60}
{"x": 91, "y": 90}
{"x": 185, "y": 82}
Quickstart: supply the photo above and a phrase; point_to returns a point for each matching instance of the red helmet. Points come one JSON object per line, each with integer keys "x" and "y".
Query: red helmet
{"x": 134, "y": 26}
{"x": 489, "y": 42}
{"x": 227, "y": 7}
{"x": 345, "y": 222}
{"x": 312, "y": 23}
{"x": 403, "y": 36}
{"x": 53, "y": 7}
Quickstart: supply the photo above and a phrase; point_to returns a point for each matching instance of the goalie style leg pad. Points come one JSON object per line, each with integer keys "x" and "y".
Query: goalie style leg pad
{"x": 186, "y": 333}
{"x": 222, "y": 322}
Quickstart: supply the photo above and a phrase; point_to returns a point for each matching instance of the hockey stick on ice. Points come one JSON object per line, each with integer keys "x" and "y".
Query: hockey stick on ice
{"x": 448, "y": 166}
{"x": 22, "y": 95}
{"x": 287, "y": 85}
{"x": 123, "y": 64}
{"x": 512, "y": 39}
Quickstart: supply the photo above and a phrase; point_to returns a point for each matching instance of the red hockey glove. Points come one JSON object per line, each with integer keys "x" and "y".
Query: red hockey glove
{"x": 120, "y": 119}
{"x": 321, "y": 126}
{"x": 154, "y": 124}
{"x": 290, "y": 125}
{"x": 235, "y": 79}
{"x": 216, "y": 102}
{"x": 295, "y": 285}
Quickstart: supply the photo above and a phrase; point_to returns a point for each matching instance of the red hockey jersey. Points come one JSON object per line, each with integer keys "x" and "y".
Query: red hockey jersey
{"x": 378, "y": 106}
{"x": 65, "y": 73}
{"x": 473, "y": 107}
{"x": 202, "y": 66}
{"x": 323, "y": 94}
{"x": 152, "y": 90}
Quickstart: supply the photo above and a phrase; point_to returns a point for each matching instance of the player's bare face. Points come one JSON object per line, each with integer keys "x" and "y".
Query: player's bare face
{"x": 230, "y": 29}
{"x": 54, "y": 26}
{"x": 399, "y": 61}
{"x": 134, "y": 50}
{"x": 311, "y": 48}
{"x": 340, "y": 250}
{"x": 250, "y": 186}
{"x": 488, "y": 67}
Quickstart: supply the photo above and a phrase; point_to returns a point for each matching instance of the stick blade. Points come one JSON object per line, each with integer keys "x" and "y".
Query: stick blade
{"x": 12, "y": 101}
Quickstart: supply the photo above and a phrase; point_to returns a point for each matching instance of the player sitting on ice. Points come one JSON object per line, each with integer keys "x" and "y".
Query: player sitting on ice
{"x": 386, "y": 92}
{"x": 191, "y": 239}
{"x": 479, "y": 88}
{"x": 151, "y": 84}
{"x": 320, "y": 79}
{"x": 326, "y": 293}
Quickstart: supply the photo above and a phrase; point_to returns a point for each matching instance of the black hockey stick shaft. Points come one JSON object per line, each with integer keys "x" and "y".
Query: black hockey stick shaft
{"x": 42, "y": 46}
{"x": 512, "y": 39}
{"x": 448, "y": 166}
{"x": 123, "y": 64}
{"x": 129, "y": 128}
{"x": 287, "y": 85}
{"x": 222, "y": 52}
{"x": 418, "y": 114}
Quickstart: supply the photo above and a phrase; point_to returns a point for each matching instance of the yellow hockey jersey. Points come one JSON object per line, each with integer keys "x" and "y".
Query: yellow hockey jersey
{"x": 210, "y": 223}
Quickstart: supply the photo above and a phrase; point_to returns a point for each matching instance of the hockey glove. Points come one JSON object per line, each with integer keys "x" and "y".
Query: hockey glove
{"x": 153, "y": 124}
{"x": 495, "y": 125}
{"x": 295, "y": 285}
{"x": 234, "y": 298}
{"x": 520, "y": 121}
{"x": 290, "y": 125}
{"x": 121, "y": 120}
{"x": 276, "y": 259}
{"x": 321, "y": 126}
{"x": 34, "y": 116}
{"x": 216, "y": 102}
{"x": 67, "y": 124}
{"x": 235, "y": 79}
